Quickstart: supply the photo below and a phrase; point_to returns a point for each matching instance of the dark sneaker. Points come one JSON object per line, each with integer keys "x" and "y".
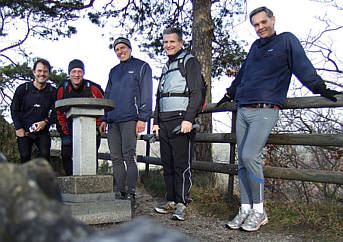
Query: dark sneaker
{"x": 169, "y": 207}
{"x": 237, "y": 222}
{"x": 188, "y": 200}
{"x": 180, "y": 212}
{"x": 132, "y": 198}
{"x": 254, "y": 221}
{"x": 120, "y": 195}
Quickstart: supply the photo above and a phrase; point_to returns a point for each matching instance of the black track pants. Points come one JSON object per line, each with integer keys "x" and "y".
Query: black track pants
{"x": 176, "y": 155}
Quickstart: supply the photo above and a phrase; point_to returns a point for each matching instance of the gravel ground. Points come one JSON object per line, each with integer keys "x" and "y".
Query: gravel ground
{"x": 198, "y": 227}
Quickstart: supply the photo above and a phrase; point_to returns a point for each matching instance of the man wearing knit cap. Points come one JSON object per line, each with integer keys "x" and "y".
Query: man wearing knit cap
{"x": 75, "y": 86}
{"x": 130, "y": 87}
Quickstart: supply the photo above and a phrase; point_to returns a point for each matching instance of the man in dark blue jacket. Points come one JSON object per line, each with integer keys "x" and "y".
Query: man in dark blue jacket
{"x": 130, "y": 87}
{"x": 259, "y": 90}
{"x": 31, "y": 111}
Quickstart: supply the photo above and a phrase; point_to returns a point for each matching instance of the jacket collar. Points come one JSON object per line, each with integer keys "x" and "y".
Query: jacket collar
{"x": 80, "y": 88}
{"x": 173, "y": 57}
{"x": 128, "y": 60}
{"x": 262, "y": 42}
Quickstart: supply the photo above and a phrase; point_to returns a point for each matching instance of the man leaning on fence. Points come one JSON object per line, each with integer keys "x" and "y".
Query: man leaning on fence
{"x": 259, "y": 90}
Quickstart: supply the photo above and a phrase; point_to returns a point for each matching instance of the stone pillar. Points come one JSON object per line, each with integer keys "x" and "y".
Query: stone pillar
{"x": 84, "y": 112}
{"x": 89, "y": 197}
{"x": 84, "y": 140}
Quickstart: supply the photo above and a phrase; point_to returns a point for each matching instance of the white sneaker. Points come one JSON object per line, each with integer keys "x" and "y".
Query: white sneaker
{"x": 180, "y": 212}
{"x": 237, "y": 222}
{"x": 254, "y": 221}
{"x": 168, "y": 207}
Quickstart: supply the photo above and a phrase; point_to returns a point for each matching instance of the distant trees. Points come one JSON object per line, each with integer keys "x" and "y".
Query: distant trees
{"x": 23, "y": 19}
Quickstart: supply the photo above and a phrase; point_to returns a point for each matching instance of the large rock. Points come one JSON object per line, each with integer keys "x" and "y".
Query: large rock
{"x": 8, "y": 141}
{"x": 30, "y": 211}
{"x": 141, "y": 229}
{"x": 29, "y": 206}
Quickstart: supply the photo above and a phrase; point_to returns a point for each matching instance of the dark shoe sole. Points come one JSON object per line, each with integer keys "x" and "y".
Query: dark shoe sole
{"x": 233, "y": 228}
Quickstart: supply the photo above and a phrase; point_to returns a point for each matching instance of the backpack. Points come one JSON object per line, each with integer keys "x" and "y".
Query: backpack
{"x": 182, "y": 69}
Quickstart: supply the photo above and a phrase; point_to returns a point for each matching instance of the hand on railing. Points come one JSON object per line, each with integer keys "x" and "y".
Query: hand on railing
{"x": 177, "y": 130}
{"x": 225, "y": 99}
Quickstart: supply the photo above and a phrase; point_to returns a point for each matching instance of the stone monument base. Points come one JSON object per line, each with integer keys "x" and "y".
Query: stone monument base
{"x": 91, "y": 199}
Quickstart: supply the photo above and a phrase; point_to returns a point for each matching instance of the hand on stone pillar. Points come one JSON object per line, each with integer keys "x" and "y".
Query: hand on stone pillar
{"x": 140, "y": 127}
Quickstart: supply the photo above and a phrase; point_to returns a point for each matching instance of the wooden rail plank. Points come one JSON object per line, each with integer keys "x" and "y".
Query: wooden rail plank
{"x": 280, "y": 139}
{"x": 311, "y": 175}
{"x": 291, "y": 103}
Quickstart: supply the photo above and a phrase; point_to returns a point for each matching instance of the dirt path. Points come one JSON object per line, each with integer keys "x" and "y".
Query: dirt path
{"x": 199, "y": 227}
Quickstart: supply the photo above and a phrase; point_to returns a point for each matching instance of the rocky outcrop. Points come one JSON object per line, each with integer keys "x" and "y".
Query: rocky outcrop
{"x": 29, "y": 206}
{"x": 31, "y": 211}
{"x": 8, "y": 141}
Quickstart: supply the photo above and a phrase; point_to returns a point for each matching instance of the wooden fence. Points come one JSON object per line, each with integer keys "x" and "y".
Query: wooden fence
{"x": 230, "y": 167}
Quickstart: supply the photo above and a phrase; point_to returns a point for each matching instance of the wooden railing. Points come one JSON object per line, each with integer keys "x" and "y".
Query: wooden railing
{"x": 230, "y": 167}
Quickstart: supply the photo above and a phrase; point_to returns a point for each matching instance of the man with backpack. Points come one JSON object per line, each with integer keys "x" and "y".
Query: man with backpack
{"x": 74, "y": 87}
{"x": 32, "y": 112}
{"x": 179, "y": 98}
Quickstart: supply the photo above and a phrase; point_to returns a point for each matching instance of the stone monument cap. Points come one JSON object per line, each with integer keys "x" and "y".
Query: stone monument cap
{"x": 82, "y": 102}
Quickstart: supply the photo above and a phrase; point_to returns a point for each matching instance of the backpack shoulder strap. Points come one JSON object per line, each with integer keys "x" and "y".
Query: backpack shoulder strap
{"x": 88, "y": 87}
{"x": 65, "y": 89}
{"x": 182, "y": 67}
{"x": 182, "y": 63}
{"x": 26, "y": 89}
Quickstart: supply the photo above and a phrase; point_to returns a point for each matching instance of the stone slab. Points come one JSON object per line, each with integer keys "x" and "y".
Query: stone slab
{"x": 96, "y": 103}
{"x": 101, "y": 212}
{"x": 92, "y": 197}
{"x": 86, "y": 184}
{"x": 88, "y": 112}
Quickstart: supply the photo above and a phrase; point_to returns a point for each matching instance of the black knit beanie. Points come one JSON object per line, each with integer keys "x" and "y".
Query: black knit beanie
{"x": 75, "y": 64}
{"x": 123, "y": 41}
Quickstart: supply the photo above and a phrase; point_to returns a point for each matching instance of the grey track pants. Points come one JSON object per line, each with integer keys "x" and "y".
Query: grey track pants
{"x": 253, "y": 127}
{"x": 122, "y": 141}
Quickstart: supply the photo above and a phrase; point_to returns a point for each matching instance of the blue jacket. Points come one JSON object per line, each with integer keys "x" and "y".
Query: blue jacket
{"x": 266, "y": 73}
{"x": 130, "y": 87}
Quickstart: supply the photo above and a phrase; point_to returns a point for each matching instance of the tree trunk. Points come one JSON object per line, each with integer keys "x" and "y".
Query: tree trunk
{"x": 201, "y": 45}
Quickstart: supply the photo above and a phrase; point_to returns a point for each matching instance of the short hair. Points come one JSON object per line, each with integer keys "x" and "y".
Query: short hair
{"x": 44, "y": 62}
{"x": 173, "y": 30}
{"x": 261, "y": 9}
